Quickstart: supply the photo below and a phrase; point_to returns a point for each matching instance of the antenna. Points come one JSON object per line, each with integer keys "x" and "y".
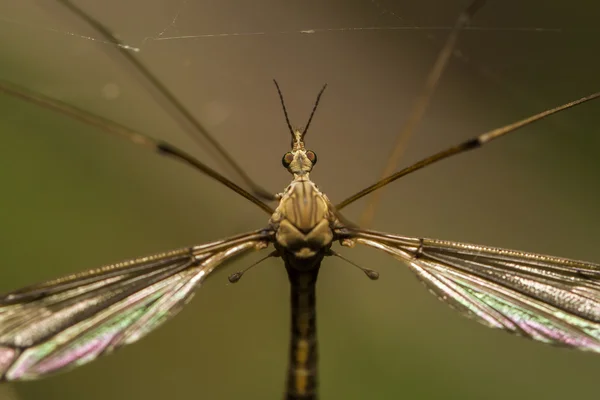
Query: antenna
{"x": 284, "y": 109}
{"x": 313, "y": 110}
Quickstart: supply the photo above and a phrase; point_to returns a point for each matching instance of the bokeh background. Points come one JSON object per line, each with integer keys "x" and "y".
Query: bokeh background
{"x": 73, "y": 198}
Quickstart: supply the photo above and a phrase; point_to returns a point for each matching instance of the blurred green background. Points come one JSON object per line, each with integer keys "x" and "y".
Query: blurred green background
{"x": 74, "y": 198}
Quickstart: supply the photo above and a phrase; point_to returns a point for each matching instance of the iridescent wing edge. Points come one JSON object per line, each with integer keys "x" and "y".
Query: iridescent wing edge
{"x": 550, "y": 299}
{"x": 70, "y": 321}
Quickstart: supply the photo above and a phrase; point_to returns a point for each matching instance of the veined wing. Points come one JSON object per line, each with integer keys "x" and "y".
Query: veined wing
{"x": 550, "y": 299}
{"x": 72, "y": 320}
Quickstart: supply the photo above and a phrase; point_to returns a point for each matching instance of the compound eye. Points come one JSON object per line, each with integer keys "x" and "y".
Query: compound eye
{"x": 287, "y": 159}
{"x": 312, "y": 156}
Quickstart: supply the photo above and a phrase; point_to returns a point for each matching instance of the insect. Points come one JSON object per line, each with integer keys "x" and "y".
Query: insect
{"x": 66, "y": 322}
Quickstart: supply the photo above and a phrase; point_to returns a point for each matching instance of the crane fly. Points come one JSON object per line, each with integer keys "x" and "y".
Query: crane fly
{"x": 70, "y": 321}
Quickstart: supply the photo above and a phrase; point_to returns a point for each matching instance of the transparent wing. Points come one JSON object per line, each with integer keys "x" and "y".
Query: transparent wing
{"x": 72, "y": 320}
{"x": 550, "y": 299}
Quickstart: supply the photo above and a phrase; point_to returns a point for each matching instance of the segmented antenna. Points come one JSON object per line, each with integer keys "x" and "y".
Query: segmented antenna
{"x": 284, "y": 109}
{"x": 313, "y": 110}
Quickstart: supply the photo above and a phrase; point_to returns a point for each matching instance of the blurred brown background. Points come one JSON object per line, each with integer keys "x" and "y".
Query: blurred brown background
{"x": 73, "y": 198}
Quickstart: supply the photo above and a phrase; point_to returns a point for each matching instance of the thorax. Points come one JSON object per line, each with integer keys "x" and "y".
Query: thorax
{"x": 303, "y": 221}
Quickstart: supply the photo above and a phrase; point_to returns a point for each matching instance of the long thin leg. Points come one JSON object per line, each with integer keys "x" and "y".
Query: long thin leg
{"x": 420, "y": 105}
{"x": 129, "y": 134}
{"x": 467, "y": 145}
{"x": 166, "y": 99}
